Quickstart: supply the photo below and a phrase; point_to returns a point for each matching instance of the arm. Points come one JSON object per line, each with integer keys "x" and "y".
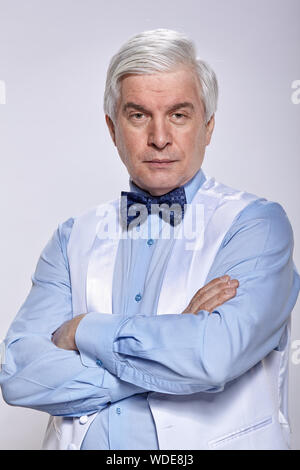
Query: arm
{"x": 189, "y": 353}
{"x": 36, "y": 373}
{"x": 39, "y": 375}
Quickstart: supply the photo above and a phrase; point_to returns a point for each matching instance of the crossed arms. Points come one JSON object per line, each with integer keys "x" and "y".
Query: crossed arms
{"x": 119, "y": 357}
{"x": 208, "y": 298}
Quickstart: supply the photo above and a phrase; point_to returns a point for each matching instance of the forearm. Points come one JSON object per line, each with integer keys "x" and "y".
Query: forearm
{"x": 142, "y": 351}
{"x": 184, "y": 354}
{"x": 36, "y": 373}
{"x": 55, "y": 380}
{"x": 188, "y": 353}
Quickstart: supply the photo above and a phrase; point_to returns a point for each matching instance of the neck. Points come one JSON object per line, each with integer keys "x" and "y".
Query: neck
{"x": 160, "y": 192}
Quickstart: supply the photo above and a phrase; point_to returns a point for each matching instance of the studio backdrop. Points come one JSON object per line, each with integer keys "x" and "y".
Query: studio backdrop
{"x": 57, "y": 159}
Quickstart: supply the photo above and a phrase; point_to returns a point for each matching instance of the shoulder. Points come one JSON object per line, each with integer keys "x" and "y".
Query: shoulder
{"x": 63, "y": 232}
{"x": 260, "y": 217}
{"x": 263, "y": 208}
{"x": 83, "y": 220}
{"x": 269, "y": 211}
{"x": 266, "y": 219}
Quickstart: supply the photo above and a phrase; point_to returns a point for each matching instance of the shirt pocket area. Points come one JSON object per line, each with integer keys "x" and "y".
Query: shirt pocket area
{"x": 231, "y": 438}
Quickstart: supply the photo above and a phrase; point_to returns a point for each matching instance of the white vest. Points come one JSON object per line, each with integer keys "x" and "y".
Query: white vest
{"x": 251, "y": 411}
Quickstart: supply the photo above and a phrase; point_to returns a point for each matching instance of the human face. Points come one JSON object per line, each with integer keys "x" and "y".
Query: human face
{"x": 160, "y": 129}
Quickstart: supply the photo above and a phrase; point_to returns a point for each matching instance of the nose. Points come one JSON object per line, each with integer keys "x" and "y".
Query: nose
{"x": 159, "y": 134}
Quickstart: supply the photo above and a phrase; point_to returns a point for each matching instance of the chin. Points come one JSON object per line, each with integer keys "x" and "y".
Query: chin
{"x": 161, "y": 187}
{"x": 163, "y": 182}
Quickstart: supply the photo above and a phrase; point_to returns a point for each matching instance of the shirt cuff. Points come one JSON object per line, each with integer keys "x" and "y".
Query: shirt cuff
{"x": 94, "y": 339}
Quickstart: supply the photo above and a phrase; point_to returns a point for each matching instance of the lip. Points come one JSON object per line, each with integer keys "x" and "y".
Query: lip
{"x": 161, "y": 163}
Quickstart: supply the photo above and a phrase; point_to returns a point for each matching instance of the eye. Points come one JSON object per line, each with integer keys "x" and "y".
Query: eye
{"x": 178, "y": 116}
{"x": 137, "y": 116}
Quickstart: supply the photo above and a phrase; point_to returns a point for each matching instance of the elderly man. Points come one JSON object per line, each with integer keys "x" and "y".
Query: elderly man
{"x": 160, "y": 320}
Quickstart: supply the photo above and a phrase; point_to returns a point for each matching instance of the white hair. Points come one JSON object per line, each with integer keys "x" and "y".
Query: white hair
{"x": 159, "y": 50}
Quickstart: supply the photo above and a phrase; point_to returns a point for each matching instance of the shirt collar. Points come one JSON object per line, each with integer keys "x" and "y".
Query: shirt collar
{"x": 190, "y": 187}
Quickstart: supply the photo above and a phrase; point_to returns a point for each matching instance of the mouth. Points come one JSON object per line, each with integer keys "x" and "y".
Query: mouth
{"x": 160, "y": 163}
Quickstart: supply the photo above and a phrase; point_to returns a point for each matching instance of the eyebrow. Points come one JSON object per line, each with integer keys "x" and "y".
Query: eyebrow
{"x": 138, "y": 107}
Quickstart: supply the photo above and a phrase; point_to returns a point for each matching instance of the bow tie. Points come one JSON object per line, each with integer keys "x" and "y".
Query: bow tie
{"x": 172, "y": 216}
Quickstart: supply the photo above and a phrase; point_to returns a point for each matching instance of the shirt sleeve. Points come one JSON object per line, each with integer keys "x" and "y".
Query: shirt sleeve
{"x": 37, "y": 374}
{"x": 188, "y": 353}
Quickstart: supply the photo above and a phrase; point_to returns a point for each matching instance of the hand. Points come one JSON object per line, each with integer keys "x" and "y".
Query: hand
{"x": 64, "y": 336}
{"x": 212, "y": 295}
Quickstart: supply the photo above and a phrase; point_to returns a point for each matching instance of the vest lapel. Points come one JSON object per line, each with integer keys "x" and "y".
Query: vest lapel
{"x": 190, "y": 262}
{"x": 102, "y": 261}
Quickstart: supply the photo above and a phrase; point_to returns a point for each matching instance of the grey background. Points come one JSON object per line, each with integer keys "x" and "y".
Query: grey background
{"x": 57, "y": 159}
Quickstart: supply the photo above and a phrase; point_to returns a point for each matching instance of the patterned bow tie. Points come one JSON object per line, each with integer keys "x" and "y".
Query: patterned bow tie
{"x": 172, "y": 215}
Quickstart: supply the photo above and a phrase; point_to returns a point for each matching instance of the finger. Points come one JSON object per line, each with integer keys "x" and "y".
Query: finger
{"x": 217, "y": 288}
{"x": 219, "y": 299}
{"x": 214, "y": 283}
{"x": 210, "y": 291}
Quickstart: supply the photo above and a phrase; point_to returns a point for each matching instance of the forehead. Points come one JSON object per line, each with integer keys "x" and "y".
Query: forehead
{"x": 161, "y": 89}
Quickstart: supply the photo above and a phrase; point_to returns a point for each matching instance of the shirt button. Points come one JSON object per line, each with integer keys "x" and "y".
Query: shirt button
{"x": 98, "y": 362}
{"x": 83, "y": 419}
{"x": 138, "y": 297}
{"x": 118, "y": 411}
{"x": 150, "y": 242}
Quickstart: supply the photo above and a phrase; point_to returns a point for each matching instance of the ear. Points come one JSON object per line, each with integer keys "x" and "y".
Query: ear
{"x": 111, "y": 128}
{"x": 209, "y": 129}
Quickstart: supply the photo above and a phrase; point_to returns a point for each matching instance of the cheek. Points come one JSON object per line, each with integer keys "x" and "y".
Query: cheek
{"x": 191, "y": 141}
{"x": 126, "y": 138}
{"x": 129, "y": 145}
{"x": 123, "y": 144}
{"x": 200, "y": 138}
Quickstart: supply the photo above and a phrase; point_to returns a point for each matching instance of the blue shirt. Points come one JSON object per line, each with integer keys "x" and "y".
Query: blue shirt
{"x": 135, "y": 342}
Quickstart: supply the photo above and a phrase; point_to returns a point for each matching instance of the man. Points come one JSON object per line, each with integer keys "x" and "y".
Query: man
{"x": 134, "y": 339}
